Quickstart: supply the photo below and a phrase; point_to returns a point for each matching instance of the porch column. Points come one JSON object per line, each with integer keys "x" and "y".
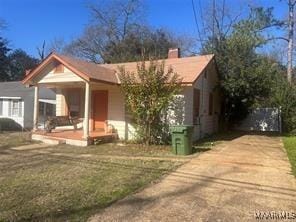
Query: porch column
{"x": 36, "y": 108}
{"x": 86, "y": 111}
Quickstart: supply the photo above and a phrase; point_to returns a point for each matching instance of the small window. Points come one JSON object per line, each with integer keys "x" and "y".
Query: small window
{"x": 211, "y": 104}
{"x": 59, "y": 68}
{"x": 49, "y": 109}
{"x": 41, "y": 108}
{"x": 73, "y": 102}
{"x": 196, "y": 104}
{"x": 15, "y": 108}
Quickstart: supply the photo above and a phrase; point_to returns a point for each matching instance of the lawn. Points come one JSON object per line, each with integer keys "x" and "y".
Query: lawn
{"x": 290, "y": 145}
{"x": 60, "y": 183}
{"x": 10, "y": 139}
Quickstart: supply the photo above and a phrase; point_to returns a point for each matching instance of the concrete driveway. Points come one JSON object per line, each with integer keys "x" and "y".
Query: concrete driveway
{"x": 232, "y": 182}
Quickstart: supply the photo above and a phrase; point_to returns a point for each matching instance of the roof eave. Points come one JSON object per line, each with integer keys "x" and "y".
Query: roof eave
{"x": 204, "y": 68}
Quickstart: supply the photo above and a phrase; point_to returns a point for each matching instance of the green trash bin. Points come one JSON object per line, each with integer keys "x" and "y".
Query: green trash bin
{"x": 182, "y": 139}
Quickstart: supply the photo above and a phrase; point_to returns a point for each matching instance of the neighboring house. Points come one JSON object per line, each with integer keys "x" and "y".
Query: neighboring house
{"x": 17, "y": 103}
{"x": 92, "y": 92}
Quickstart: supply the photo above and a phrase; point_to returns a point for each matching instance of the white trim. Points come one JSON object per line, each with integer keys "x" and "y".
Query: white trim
{"x": 10, "y": 97}
{"x": 36, "y": 108}
{"x": 51, "y": 101}
{"x": 86, "y": 111}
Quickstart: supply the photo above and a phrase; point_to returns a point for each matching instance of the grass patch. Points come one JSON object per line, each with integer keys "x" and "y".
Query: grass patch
{"x": 69, "y": 183}
{"x": 12, "y": 139}
{"x": 119, "y": 149}
{"x": 290, "y": 146}
{"x": 64, "y": 184}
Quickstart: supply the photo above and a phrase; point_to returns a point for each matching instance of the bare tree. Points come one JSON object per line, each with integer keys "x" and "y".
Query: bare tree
{"x": 216, "y": 23}
{"x": 111, "y": 22}
{"x": 41, "y": 51}
{"x": 118, "y": 33}
{"x": 56, "y": 45}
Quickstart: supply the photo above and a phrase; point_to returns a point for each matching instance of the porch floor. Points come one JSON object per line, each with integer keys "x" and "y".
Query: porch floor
{"x": 75, "y": 134}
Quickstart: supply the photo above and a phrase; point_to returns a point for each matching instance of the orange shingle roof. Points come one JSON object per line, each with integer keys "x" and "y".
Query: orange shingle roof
{"x": 92, "y": 70}
{"x": 188, "y": 68}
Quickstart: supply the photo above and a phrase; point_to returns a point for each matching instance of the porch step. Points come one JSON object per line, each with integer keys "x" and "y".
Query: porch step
{"x": 53, "y": 141}
{"x": 48, "y": 140}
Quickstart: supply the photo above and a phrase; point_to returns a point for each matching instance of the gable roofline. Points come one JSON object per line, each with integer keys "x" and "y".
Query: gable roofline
{"x": 205, "y": 67}
{"x": 209, "y": 62}
{"x": 46, "y": 61}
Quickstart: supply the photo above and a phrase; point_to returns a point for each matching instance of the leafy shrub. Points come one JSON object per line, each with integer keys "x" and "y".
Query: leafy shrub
{"x": 148, "y": 93}
{"x": 7, "y": 124}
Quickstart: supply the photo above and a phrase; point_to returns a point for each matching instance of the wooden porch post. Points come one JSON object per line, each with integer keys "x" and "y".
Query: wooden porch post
{"x": 86, "y": 111}
{"x": 36, "y": 108}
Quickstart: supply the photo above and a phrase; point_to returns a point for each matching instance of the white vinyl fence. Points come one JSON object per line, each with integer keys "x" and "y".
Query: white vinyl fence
{"x": 262, "y": 119}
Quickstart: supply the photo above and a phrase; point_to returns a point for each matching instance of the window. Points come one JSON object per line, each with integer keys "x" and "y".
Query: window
{"x": 15, "y": 108}
{"x": 196, "y": 104}
{"x": 1, "y": 107}
{"x": 211, "y": 104}
{"x": 46, "y": 109}
{"x": 41, "y": 108}
{"x": 73, "y": 102}
{"x": 50, "y": 109}
{"x": 59, "y": 68}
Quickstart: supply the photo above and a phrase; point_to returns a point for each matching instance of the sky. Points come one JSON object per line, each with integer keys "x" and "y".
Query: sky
{"x": 30, "y": 22}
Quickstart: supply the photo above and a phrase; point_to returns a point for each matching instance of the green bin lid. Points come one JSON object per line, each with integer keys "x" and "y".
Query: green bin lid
{"x": 180, "y": 128}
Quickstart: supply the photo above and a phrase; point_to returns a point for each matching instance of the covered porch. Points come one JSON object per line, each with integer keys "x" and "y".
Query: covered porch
{"x": 85, "y": 101}
{"x": 82, "y": 93}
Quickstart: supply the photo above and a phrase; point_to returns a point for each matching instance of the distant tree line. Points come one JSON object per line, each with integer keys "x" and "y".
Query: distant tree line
{"x": 14, "y": 63}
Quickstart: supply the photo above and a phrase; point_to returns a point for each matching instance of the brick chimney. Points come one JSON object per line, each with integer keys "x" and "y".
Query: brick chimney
{"x": 174, "y": 53}
{"x": 27, "y": 72}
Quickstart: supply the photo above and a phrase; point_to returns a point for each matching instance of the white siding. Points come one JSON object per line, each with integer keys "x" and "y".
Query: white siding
{"x": 117, "y": 115}
{"x": 116, "y": 110}
{"x": 49, "y": 76}
{"x": 206, "y": 85}
{"x": 5, "y": 112}
{"x": 60, "y": 103}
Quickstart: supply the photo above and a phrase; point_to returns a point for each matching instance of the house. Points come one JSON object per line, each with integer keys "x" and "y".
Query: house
{"x": 92, "y": 92}
{"x": 17, "y": 103}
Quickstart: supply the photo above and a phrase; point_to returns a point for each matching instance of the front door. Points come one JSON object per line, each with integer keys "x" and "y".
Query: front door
{"x": 100, "y": 108}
